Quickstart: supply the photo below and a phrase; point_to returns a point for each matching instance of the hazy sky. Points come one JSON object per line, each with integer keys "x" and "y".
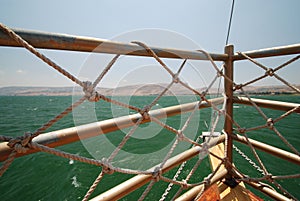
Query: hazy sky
{"x": 256, "y": 24}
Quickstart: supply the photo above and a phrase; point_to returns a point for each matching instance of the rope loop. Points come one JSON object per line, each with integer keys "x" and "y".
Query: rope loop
{"x": 156, "y": 174}
{"x": 90, "y": 92}
{"x": 21, "y": 143}
{"x": 107, "y": 167}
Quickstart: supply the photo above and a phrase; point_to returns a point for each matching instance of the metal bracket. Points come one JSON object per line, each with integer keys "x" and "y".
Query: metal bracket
{"x": 231, "y": 182}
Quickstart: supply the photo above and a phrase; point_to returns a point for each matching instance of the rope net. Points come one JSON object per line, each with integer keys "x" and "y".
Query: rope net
{"x": 178, "y": 183}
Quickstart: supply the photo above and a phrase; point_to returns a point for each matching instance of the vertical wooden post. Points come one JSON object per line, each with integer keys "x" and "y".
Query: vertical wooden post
{"x": 228, "y": 86}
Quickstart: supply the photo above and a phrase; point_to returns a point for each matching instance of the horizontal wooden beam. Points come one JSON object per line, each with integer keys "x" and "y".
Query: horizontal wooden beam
{"x": 58, "y": 41}
{"x": 270, "y": 52}
{"x": 264, "y": 188}
{"x": 69, "y": 135}
{"x": 269, "y": 149}
{"x": 46, "y": 40}
{"x": 271, "y": 104}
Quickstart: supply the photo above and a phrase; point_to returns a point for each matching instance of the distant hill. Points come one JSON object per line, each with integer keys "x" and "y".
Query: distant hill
{"x": 36, "y": 91}
{"x": 137, "y": 90}
{"x": 279, "y": 89}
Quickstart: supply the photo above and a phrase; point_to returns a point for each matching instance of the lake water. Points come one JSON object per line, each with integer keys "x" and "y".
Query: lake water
{"x": 42, "y": 176}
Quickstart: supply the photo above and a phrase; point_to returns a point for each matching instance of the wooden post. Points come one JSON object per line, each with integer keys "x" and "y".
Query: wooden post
{"x": 228, "y": 86}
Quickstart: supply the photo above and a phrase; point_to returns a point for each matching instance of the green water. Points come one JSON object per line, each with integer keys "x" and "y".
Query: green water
{"x": 43, "y": 176}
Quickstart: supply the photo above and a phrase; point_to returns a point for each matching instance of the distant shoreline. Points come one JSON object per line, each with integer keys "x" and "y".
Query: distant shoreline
{"x": 138, "y": 90}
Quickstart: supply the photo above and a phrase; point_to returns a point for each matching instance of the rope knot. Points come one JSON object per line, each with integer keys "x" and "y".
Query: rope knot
{"x": 202, "y": 95}
{"x": 238, "y": 86}
{"x": 268, "y": 177}
{"x": 219, "y": 73}
{"x": 156, "y": 174}
{"x": 270, "y": 72}
{"x": 270, "y": 123}
{"x": 207, "y": 181}
{"x": 107, "y": 167}
{"x": 21, "y": 143}
{"x": 144, "y": 112}
{"x": 204, "y": 151}
{"x": 241, "y": 130}
{"x": 90, "y": 92}
{"x": 184, "y": 184}
{"x": 176, "y": 78}
{"x": 221, "y": 112}
{"x": 180, "y": 135}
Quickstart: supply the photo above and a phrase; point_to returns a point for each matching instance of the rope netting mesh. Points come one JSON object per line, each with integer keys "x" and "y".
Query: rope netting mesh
{"x": 269, "y": 124}
{"x": 24, "y": 143}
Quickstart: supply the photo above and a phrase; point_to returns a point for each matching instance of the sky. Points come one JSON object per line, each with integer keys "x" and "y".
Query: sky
{"x": 256, "y": 24}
